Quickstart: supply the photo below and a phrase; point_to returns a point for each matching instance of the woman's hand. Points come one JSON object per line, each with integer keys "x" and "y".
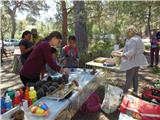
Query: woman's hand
{"x": 64, "y": 71}
{"x": 116, "y": 54}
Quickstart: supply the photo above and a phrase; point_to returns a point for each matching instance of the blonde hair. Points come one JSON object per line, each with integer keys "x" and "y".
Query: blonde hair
{"x": 133, "y": 29}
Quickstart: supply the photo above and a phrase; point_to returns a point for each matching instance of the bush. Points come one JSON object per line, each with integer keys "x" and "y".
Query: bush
{"x": 96, "y": 49}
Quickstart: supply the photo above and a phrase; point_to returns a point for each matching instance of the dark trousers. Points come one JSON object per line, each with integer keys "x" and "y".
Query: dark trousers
{"x": 131, "y": 76}
{"x": 26, "y": 80}
{"x": 154, "y": 53}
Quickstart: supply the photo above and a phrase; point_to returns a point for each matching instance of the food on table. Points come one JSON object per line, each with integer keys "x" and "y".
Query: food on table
{"x": 40, "y": 93}
{"x": 33, "y": 94}
{"x": 43, "y": 106}
{"x": 116, "y": 53}
{"x": 36, "y": 110}
{"x": 51, "y": 89}
{"x": 75, "y": 83}
{"x": 93, "y": 71}
{"x": 100, "y": 60}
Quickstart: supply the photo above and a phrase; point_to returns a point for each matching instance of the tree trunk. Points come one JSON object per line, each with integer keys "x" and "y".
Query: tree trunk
{"x": 2, "y": 48}
{"x": 13, "y": 26}
{"x": 80, "y": 26}
{"x": 64, "y": 24}
{"x": 148, "y": 21}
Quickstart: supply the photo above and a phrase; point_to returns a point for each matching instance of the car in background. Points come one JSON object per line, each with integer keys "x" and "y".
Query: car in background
{"x": 6, "y": 42}
{"x": 11, "y": 42}
{"x": 15, "y": 42}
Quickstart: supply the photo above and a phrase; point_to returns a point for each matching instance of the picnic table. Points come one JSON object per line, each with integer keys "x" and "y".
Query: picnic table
{"x": 100, "y": 65}
{"x": 65, "y": 109}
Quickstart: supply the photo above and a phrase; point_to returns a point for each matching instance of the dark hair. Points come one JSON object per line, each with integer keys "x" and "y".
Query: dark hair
{"x": 53, "y": 50}
{"x": 158, "y": 35}
{"x": 25, "y": 33}
{"x": 71, "y": 37}
{"x": 54, "y": 34}
{"x": 33, "y": 30}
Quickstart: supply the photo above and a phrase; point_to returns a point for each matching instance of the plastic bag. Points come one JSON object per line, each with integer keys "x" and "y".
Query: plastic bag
{"x": 112, "y": 99}
{"x": 140, "y": 109}
{"x": 125, "y": 117}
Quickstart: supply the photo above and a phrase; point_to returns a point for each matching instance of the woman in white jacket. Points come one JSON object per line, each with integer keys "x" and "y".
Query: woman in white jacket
{"x": 132, "y": 58}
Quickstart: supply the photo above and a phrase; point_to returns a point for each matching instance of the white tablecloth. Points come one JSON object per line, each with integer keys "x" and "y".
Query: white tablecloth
{"x": 65, "y": 109}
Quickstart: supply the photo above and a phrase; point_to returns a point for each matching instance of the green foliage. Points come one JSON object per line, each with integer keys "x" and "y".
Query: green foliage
{"x": 156, "y": 70}
{"x": 147, "y": 47}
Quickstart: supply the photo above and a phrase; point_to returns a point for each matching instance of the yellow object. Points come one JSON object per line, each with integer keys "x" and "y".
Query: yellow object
{"x": 100, "y": 60}
{"x": 39, "y": 111}
{"x": 32, "y": 93}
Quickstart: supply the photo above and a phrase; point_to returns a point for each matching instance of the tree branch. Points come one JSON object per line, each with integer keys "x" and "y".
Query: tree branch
{"x": 70, "y": 9}
{"x": 57, "y": 2}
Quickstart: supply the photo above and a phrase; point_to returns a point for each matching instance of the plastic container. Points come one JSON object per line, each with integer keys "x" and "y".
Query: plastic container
{"x": 17, "y": 100}
{"x": 11, "y": 93}
{"x": 8, "y": 103}
{"x": 3, "y": 109}
{"x": 21, "y": 94}
{"x": 32, "y": 94}
{"x": 26, "y": 96}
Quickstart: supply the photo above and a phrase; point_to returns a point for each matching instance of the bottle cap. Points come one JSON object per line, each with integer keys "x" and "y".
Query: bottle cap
{"x": 31, "y": 88}
{"x": 9, "y": 89}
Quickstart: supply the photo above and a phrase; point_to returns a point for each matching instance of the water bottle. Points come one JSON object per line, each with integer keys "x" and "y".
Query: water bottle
{"x": 32, "y": 94}
{"x": 11, "y": 93}
{"x": 8, "y": 102}
{"x": 3, "y": 108}
{"x": 17, "y": 100}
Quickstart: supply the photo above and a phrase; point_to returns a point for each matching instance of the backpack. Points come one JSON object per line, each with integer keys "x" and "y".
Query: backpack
{"x": 92, "y": 104}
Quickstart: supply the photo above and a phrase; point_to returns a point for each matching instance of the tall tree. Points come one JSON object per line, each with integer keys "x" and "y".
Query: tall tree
{"x": 80, "y": 25}
{"x": 64, "y": 23}
{"x": 32, "y": 6}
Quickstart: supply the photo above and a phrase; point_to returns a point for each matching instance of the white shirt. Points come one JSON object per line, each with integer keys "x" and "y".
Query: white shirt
{"x": 133, "y": 50}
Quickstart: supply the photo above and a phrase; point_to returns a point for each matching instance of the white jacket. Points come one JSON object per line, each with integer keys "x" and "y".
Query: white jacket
{"x": 133, "y": 50}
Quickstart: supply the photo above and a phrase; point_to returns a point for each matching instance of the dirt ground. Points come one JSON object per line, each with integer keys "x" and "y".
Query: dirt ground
{"x": 146, "y": 78}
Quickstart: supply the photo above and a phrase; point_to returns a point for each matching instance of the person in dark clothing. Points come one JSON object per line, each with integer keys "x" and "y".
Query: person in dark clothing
{"x": 25, "y": 46}
{"x": 154, "y": 52}
{"x": 40, "y": 56}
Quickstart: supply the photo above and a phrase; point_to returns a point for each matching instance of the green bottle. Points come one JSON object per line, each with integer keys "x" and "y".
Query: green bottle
{"x": 11, "y": 93}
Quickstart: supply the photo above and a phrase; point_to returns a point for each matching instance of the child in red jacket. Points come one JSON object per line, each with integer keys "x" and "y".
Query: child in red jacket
{"x": 69, "y": 54}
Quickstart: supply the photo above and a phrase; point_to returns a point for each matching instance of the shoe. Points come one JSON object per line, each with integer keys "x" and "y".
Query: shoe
{"x": 150, "y": 65}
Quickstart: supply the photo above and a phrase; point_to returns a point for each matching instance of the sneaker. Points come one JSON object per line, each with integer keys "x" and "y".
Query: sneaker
{"x": 150, "y": 65}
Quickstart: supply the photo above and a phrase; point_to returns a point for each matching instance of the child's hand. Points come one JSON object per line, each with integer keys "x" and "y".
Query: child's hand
{"x": 65, "y": 71}
{"x": 77, "y": 62}
{"x": 64, "y": 62}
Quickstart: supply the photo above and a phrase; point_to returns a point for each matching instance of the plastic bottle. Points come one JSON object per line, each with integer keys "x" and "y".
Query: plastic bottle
{"x": 8, "y": 102}
{"x": 3, "y": 108}
{"x": 26, "y": 96}
{"x": 32, "y": 94}
{"x": 29, "y": 102}
{"x": 17, "y": 100}
{"x": 11, "y": 93}
{"x": 21, "y": 94}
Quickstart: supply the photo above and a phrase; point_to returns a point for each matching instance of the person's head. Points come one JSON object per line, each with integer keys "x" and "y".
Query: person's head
{"x": 34, "y": 32}
{"x": 72, "y": 41}
{"x": 131, "y": 31}
{"x": 54, "y": 38}
{"x": 54, "y": 52}
{"x": 26, "y": 35}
